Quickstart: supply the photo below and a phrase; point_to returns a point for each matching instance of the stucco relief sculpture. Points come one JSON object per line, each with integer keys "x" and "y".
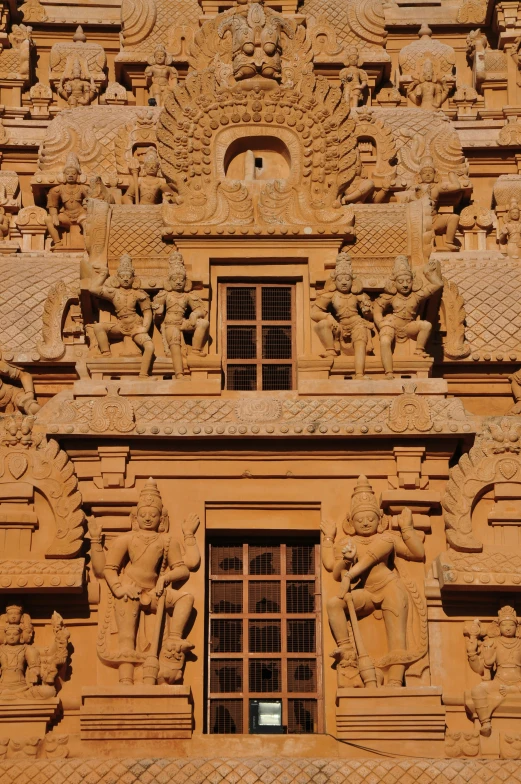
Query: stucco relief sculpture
{"x": 341, "y": 315}
{"x": 145, "y": 571}
{"x": 427, "y": 70}
{"x": 363, "y": 561}
{"x": 65, "y": 202}
{"x": 183, "y": 312}
{"x": 396, "y": 311}
{"x": 427, "y": 91}
{"x": 133, "y": 310}
{"x": 353, "y": 79}
{"x": 428, "y": 188}
{"x": 510, "y": 233}
{"x": 147, "y": 186}
{"x": 77, "y": 88}
{"x": 12, "y": 398}
{"x": 161, "y": 75}
{"x": 495, "y": 654}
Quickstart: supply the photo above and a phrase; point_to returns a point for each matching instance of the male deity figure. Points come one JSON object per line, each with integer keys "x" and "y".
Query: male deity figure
{"x": 341, "y": 313}
{"x": 76, "y": 89}
{"x": 353, "y": 79}
{"x": 149, "y": 187}
{"x": 364, "y": 562}
{"x": 256, "y": 40}
{"x": 404, "y": 293}
{"x": 123, "y": 290}
{"x": 141, "y": 567}
{"x": 4, "y": 224}
{"x": 185, "y": 313}
{"x": 427, "y": 187}
{"x": 65, "y": 202}
{"x": 511, "y": 231}
{"x": 12, "y": 397}
{"x": 427, "y": 91}
{"x": 14, "y": 615}
{"x": 495, "y": 654}
{"x": 362, "y": 189}
{"x": 161, "y": 75}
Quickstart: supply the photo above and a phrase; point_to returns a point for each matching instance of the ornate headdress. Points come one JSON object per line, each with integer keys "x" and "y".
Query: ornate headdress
{"x": 364, "y": 499}
{"x": 125, "y": 264}
{"x": 176, "y": 264}
{"x": 151, "y": 156}
{"x": 507, "y": 613}
{"x": 150, "y": 495}
{"x": 72, "y": 162}
{"x": 402, "y": 267}
{"x": 514, "y": 204}
{"x": 343, "y": 264}
{"x": 427, "y": 162}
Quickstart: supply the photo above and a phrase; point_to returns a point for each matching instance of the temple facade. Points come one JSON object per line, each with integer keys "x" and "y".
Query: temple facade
{"x": 260, "y": 391}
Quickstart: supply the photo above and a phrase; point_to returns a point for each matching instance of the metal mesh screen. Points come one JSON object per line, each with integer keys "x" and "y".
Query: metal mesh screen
{"x": 226, "y": 636}
{"x": 226, "y": 560}
{"x": 302, "y": 716}
{"x": 226, "y": 676}
{"x": 301, "y": 636}
{"x": 300, "y": 597}
{"x": 264, "y": 560}
{"x": 226, "y": 597}
{"x": 241, "y": 303}
{"x": 276, "y": 303}
{"x": 264, "y": 636}
{"x": 241, "y": 342}
{"x": 302, "y": 675}
{"x": 226, "y": 717}
{"x": 264, "y": 596}
{"x": 242, "y": 378}
{"x": 276, "y": 342}
{"x": 265, "y": 676}
{"x": 276, "y": 377}
{"x": 300, "y": 559}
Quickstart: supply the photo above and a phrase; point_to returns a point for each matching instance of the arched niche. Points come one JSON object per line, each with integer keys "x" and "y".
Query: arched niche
{"x": 269, "y": 154}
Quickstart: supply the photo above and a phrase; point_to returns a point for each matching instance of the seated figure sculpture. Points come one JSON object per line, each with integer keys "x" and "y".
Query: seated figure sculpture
{"x": 403, "y": 295}
{"x": 364, "y": 562}
{"x": 427, "y": 91}
{"x": 339, "y": 314}
{"x": 77, "y": 89}
{"x": 428, "y": 188}
{"x": 141, "y": 569}
{"x": 353, "y": 79}
{"x": 123, "y": 290}
{"x": 495, "y": 654}
{"x": 149, "y": 187}
{"x": 185, "y": 313}
{"x": 65, "y": 202}
{"x": 13, "y": 398}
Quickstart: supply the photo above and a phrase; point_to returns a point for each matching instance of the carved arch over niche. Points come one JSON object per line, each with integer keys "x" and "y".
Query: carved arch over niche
{"x": 370, "y": 128}
{"x": 232, "y": 141}
{"x": 494, "y": 458}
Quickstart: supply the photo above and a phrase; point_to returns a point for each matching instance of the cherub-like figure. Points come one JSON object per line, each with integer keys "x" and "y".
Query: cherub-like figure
{"x": 140, "y": 567}
{"x": 363, "y": 561}
{"x": 161, "y": 75}
{"x": 495, "y": 654}
{"x": 353, "y": 79}
{"x": 428, "y": 188}
{"x": 403, "y": 296}
{"x": 427, "y": 91}
{"x": 11, "y": 396}
{"x": 149, "y": 187}
{"x": 65, "y": 202}
{"x": 341, "y": 313}
{"x": 511, "y": 231}
{"x": 76, "y": 89}
{"x": 185, "y": 313}
{"x": 4, "y": 224}
{"x": 123, "y": 290}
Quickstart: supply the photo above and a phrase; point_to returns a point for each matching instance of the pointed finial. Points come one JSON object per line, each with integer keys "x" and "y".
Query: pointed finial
{"x": 79, "y": 35}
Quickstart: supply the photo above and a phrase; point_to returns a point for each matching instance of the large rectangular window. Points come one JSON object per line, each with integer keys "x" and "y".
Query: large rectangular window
{"x": 264, "y": 636}
{"x": 258, "y": 336}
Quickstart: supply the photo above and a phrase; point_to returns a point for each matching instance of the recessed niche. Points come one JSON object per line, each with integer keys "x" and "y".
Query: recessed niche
{"x": 257, "y": 158}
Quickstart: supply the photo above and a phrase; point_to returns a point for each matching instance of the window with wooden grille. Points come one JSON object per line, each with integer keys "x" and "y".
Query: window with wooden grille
{"x": 258, "y": 335}
{"x": 264, "y": 634}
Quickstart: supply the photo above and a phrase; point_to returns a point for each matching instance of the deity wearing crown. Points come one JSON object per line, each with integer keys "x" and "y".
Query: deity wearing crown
{"x": 147, "y": 186}
{"x": 65, "y": 201}
{"x": 145, "y": 571}
{"x": 133, "y": 311}
{"x": 341, "y": 314}
{"x": 365, "y": 562}
{"x": 396, "y": 310}
{"x": 429, "y": 188}
{"x": 184, "y": 314}
{"x": 495, "y": 654}
{"x": 511, "y": 231}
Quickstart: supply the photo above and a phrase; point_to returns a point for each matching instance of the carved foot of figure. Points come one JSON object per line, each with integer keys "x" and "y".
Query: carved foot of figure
{"x": 394, "y": 684}
{"x": 198, "y": 352}
{"x": 29, "y": 404}
{"x": 105, "y": 353}
{"x": 362, "y": 377}
{"x": 419, "y": 352}
{"x": 330, "y": 352}
{"x": 451, "y": 246}
{"x": 56, "y": 245}
{"x": 179, "y": 375}
{"x": 486, "y": 728}
{"x": 389, "y": 376}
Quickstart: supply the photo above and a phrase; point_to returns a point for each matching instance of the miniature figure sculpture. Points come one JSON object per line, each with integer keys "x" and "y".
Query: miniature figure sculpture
{"x": 428, "y": 188}
{"x": 123, "y": 290}
{"x": 337, "y": 314}
{"x": 362, "y": 189}
{"x": 97, "y": 190}
{"x": 495, "y": 654}
{"x": 404, "y": 293}
{"x": 14, "y": 616}
{"x": 365, "y": 558}
{"x": 428, "y": 92}
{"x": 26, "y": 671}
{"x": 185, "y": 313}
{"x": 4, "y": 224}
{"x": 353, "y": 79}
{"x": 161, "y": 75}
{"x": 140, "y": 569}
{"x": 77, "y": 88}
{"x": 256, "y": 44}
{"x": 147, "y": 188}
{"x": 511, "y": 231}
{"x": 65, "y": 202}
{"x": 13, "y": 398}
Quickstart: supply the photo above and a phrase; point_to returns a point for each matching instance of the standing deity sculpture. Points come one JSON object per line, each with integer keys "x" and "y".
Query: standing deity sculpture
{"x": 256, "y": 40}
{"x": 353, "y": 79}
{"x": 148, "y": 187}
{"x": 145, "y": 571}
{"x": 427, "y": 91}
{"x": 65, "y": 201}
{"x": 77, "y": 88}
{"x": 161, "y": 75}
{"x": 428, "y": 188}
{"x": 396, "y": 310}
{"x": 511, "y": 231}
{"x": 495, "y": 654}
{"x": 184, "y": 313}
{"x": 365, "y": 563}
{"x": 341, "y": 314}
{"x": 124, "y": 292}
{"x": 5, "y": 224}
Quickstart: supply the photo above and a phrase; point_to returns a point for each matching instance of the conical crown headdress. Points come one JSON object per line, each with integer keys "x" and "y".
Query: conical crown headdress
{"x": 364, "y": 499}
{"x": 125, "y": 264}
{"x": 507, "y": 613}
{"x": 150, "y": 495}
{"x": 343, "y": 264}
{"x": 72, "y": 162}
{"x": 151, "y": 156}
{"x": 176, "y": 264}
{"x": 401, "y": 266}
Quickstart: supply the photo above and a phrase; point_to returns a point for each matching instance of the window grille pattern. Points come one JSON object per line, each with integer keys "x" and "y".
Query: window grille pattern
{"x": 259, "y": 336}
{"x": 263, "y": 635}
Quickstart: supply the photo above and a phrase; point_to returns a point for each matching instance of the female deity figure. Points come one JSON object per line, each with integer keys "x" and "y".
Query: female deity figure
{"x": 145, "y": 570}
{"x": 495, "y": 654}
{"x": 363, "y": 561}
{"x": 511, "y": 231}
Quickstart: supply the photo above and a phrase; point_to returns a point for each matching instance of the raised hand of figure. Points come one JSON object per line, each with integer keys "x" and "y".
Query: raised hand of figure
{"x": 349, "y": 551}
{"x": 95, "y": 528}
{"x": 328, "y": 529}
{"x": 405, "y": 519}
{"x": 191, "y": 524}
